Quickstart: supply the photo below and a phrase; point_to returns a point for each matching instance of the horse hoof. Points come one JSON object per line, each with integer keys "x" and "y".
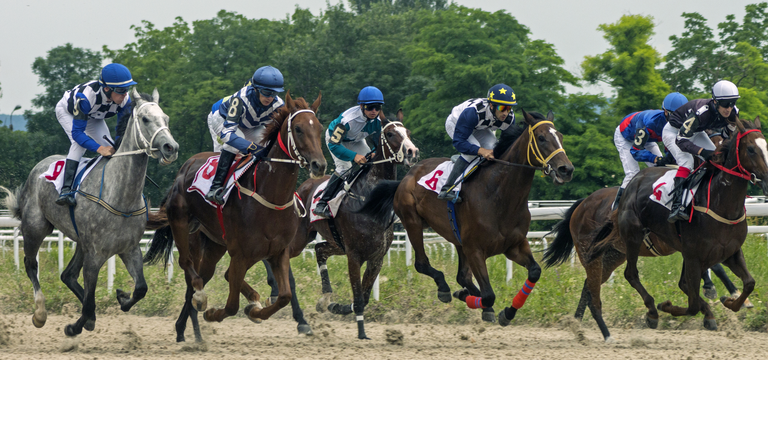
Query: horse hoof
{"x": 305, "y": 329}
{"x": 323, "y": 302}
{"x": 663, "y": 306}
{"x": 70, "y": 330}
{"x": 444, "y": 296}
{"x": 39, "y": 323}
{"x": 338, "y": 309}
{"x": 652, "y": 323}
{"x": 208, "y": 315}
{"x": 710, "y": 293}
{"x": 273, "y": 299}
{"x": 503, "y": 321}
{"x": 489, "y": 315}
{"x": 200, "y": 301}
{"x": 747, "y": 304}
{"x": 710, "y": 324}
{"x": 255, "y": 305}
{"x": 610, "y": 340}
{"x": 89, "y": 325}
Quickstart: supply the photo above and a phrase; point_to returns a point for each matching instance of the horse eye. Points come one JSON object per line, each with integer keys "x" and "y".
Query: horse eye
{"x": 751, "y": 151}
{"x": 542, "y": 138}
{"x": 298, "y": 130}
{"x": 389, "y": 135}
{"x": 145, "y": 120}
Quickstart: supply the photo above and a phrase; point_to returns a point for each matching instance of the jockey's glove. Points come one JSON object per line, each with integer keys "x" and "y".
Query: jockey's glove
{"x": 707, "y": 154}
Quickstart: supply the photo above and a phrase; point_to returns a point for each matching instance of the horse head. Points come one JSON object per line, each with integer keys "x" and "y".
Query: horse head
{"x": 396, "y": 141}
{"x": 303, "y": 132}
{"x": 747, "y": 153}
{"x": 147, "y": 129}
{"x": 545, "y": 148}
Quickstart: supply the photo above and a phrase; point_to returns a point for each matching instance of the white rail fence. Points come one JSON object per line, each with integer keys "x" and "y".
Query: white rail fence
{"x": 540, "y": 210}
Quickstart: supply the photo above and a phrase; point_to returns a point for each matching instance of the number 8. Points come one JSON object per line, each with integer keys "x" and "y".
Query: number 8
{"x": 233, "y": 108}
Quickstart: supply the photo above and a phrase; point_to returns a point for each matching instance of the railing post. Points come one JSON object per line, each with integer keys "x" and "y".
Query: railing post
{"x": 16, "y": 247}
{"x": 110, "y": 273}
{"x": 408, "y": 250}
{"x": 376, "y": 289}
{"x": 170, "y": 267}
{"x": 509, "y": 270}
{"x": 61, "y": 252}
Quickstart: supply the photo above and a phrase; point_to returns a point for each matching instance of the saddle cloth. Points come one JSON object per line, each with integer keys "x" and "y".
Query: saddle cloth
{"x": 662, "y": 190}
{"x": 333, "y": 204}
{"x": 53, "y": 174}
{"x": 436, "y": 179}
{"x": 204, "y": 177}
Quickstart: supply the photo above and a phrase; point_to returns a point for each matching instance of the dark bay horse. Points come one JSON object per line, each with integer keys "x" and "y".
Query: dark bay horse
{"x": 110, "y": 214}
{"x": 715, "y": 233}
{"x": 362, "y": 238}
{"x": 253, "y": 229}
{"x": 493, "y": 217}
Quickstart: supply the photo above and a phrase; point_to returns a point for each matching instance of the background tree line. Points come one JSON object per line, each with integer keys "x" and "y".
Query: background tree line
{"x": 426, "y": 56}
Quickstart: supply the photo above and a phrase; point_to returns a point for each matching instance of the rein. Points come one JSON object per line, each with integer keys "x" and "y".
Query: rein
{"x": 145, "y": 146}
{"x": 533, "y": 148}
{"x": 742, "y": 172}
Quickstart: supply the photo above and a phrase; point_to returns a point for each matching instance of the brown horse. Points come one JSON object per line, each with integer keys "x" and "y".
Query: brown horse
{"x": 360, "y": 237}
{"x": 716, "y": 230}
{"x": 493, "y": 215}
{"x": 253, "y": 229}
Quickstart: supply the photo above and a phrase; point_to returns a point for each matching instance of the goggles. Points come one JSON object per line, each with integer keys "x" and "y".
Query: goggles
{"x": 267, "y": 93}
{"x": 372, "y": 107}
{"x": 504, "y": 108}
{"x": 120, "y": 90}
{"x": 726, "y": 103}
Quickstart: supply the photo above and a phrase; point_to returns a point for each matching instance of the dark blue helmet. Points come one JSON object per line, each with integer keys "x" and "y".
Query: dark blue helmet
{"x": 674, "y": 101}
{"x": 269, "y": 78}
{"x": 370, "y": 94}
{"x": 502, "y": 94}
{"x": 116, "y": 75}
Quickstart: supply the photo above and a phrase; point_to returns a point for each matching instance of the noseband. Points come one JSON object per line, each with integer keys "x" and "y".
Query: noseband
{"x": 144, "y": 145}
{"x": 742, "y": 172}
{"x": 292, "y": 151}
{"x": 398, "y": 157}
{"x": 533, "y": 148}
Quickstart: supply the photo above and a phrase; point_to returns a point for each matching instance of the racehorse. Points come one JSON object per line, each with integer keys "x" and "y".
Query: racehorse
{"x": 109, "y": 218}
{"x": 248, "y": 229}
{"x": 360, "y": 237}
{"x": 716, "y": 229}
{"x": 493, "y": 215}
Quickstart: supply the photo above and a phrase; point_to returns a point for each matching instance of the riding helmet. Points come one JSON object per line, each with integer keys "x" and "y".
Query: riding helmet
{"x": 115, "y": 75}
{"x": 502, "y": 94}
{"x": 269, "y": 78}
{"x": 725, "y": 91}
{"x": 370, "y": 94}
{"x": 674, "y": 101}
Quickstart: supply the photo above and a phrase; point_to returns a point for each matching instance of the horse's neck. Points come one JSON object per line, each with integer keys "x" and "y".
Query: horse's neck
{"x": 383, "y": 171}
{"x": 728, "y": 191}
{"x": 509, "y": 186}
{"x": 124, "y": 176}
{"x": 275, "y": 181}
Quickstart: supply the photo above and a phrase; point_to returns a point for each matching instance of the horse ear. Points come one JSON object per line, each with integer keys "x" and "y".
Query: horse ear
{"x": 528, "y": 118}
{"x": 316, "y": 103}
{"x": 740, "y": 125}
{"x": 289, "y": 101}
{"x": 757, "y": 122}
{"x": 156, "y": 96}
{"x": 399, "y": 115}
{"x": 134, "y": 94}
{"x": 550, "y": 116}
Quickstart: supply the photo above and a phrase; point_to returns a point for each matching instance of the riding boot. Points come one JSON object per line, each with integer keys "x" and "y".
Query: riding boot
{"x": 66, "y": 197}
{"x": 618, "y": 198}
{"x": 458, "y": 168}
{"x": 216, "y": 193}
{"x": 322, "y": 209}
{"x": 678, "y": 209}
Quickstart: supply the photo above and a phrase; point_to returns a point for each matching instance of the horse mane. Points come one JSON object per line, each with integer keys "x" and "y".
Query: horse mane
{"x": 512, "y": 133}
{"x": 278, "y": 117}
{"x": 123, "y": 125}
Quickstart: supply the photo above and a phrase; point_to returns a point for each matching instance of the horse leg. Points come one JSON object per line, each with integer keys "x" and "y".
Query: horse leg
{"x": 738, "y": 266}
{"x": 413, "y": 225}
{"x": 464, "y": 278}
{"x": 91, "y": 266}
{"x": 358, "y": 298}
{"x": 134, "y": 264}
{"x": 207, "y": 255}
{"x": 709, "y": 287}
{"x": 323, "y": 251}
{"x": 632, "y": 275}
{"x": 270, "y": 281}
{"x": 281, "y": 265}
{"x": 372, "y": 270}
{"x": 470, "y": 291}
{"x": 521, "y": 255}
{"x": 723, "y": 276}
{"x": 690, "y": 279}
{"x": 33, "y": 238}
{"x": 179, "y": 223}
{"x": 303, "y": 326}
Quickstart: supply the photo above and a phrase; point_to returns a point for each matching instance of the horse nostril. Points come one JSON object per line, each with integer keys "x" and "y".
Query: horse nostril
{"x": 565, "y": 171}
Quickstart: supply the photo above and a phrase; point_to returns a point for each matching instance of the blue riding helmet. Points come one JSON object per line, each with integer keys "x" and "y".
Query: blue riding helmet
{"x": 269, "y": 78}
{"x": 370, "y": 94}
{"x": 116, "y": 75}
{"x": 674, "y": 101}
{"x": 502, "y": 94}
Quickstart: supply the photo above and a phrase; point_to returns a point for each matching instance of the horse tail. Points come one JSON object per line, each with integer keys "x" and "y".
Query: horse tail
{"x": 157, "y": 220}
{"x": 561, "y": 247}
{"x": 161, "y": 246}
{"x": 11, "y": 201}
{"x": 379, "y": 202}
{"x": 605, "y": 239}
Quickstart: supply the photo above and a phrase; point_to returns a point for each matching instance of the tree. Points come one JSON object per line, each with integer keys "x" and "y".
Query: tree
{"x": 629, "y": 65}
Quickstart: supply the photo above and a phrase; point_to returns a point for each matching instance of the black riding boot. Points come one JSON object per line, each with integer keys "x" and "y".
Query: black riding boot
{"x": 322, "y": 210}
{"x": 678, "y": 209}
{"x": 618, "y": 198}
{"x": 70, "y": 171}
{"x": 458, "y": 167}
{"x": 216, "y": 193}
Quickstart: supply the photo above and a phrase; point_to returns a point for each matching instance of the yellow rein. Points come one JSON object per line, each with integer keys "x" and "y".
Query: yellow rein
{"x": 533, "y": 146}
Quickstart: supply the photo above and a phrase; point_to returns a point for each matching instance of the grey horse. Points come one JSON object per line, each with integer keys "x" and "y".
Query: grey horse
{"x": 110, "y": 215}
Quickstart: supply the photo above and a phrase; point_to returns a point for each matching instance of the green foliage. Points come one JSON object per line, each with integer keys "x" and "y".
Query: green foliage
{"x": 629, "y": 66}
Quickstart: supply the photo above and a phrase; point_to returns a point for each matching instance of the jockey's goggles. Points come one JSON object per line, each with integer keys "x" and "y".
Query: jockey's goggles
{"x": 372, "y": 107}
{"x": 727, "y": 103}
{"x": 267, "y": 93}
{"x": 504, "y": 108}
{"x": 120, "y": 90}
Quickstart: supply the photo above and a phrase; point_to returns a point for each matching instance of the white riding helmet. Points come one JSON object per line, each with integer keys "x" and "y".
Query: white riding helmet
{"x": 725, "y": 91}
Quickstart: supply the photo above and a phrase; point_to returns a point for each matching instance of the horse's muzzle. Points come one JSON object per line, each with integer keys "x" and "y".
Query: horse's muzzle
{"x": 562, "y": 174}
{"x": 317, "y": 169}
{"x": 411, "y": 157}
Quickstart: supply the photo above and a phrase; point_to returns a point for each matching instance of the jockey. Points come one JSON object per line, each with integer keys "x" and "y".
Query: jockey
{"x": 81, "y": 112}
{"x": 685, "y": 134}
{"x": 636, "y": 137}
{"x": 237, "y": 123}
{"x": 472, "y": 125}
{"x": 345, "y": 138}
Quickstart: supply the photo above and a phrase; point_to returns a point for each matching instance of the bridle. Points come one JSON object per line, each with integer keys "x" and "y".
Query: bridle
{"x": 398, "y": 157}
{"x": 291, "y": 150}
{"x": 740, "y": 171}
{"x": 144, "y": 145}
{"x": 533, "y": 148}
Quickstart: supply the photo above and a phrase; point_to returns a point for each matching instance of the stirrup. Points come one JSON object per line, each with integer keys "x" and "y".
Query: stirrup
{"x": 216, "y": 195}
{"x": 677, "y": 215}
{"x": 322, "y": 210}
{"x": 449, "y": 196}
{"x": 66, "y": 198}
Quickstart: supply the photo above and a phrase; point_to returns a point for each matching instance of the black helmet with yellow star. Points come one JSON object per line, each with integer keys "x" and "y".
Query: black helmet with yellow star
{"x": 502, "y": 94}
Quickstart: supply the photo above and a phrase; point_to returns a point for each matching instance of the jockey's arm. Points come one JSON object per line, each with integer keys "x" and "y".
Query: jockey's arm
{"x": 232, "y": 110}
{"x": 465, "y": 126}
{"x": 80, "y": 122}
{"x": 335, "y": 144}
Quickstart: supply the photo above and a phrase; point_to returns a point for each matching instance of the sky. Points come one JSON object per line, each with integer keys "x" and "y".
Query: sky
{"x": 29, "y": 28}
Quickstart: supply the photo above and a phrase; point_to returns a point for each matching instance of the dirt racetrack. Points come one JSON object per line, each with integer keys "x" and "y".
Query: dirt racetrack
{"x": 127, "y": 337}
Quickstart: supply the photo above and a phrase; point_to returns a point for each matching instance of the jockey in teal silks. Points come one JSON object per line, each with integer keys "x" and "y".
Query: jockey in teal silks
{"x": 345, "y": 138}
{"x": 82, "y": 111}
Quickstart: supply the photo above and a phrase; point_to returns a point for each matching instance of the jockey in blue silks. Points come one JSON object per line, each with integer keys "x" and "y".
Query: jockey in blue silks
{"x": 237, "y": 123}
{"x": 636, "y": 137}
{"x": 345, "y": 138}
{"x": 472, "y": 126}
{"x": 81, "y": 112}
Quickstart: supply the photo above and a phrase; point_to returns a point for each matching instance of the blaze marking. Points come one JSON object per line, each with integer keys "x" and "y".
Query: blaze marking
{"x": 554, "y": 134}
{"x": 764, "y": 148}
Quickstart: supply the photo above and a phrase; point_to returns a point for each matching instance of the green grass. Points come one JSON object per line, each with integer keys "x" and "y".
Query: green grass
{"x": 407, "y": 295}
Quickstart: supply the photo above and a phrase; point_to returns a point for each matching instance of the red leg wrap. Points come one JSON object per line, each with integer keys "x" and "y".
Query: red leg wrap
{"x": 474, "y": 302}
{"x": 522, "y": 296}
